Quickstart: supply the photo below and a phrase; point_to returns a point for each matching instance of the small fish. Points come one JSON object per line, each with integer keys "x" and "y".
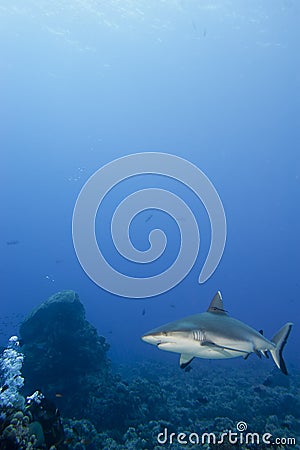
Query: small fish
{"x": 15, "y": 242}
{"x": 49, "y": 278}
{"x": 58, "y": 395}
{"x": 172, "y": 306}
{"x": 143, "y": 312}
{"x": 149, "y": 218}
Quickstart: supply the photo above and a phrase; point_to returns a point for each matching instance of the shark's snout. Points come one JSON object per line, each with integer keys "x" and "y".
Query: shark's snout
{"x": 151, "y": 339}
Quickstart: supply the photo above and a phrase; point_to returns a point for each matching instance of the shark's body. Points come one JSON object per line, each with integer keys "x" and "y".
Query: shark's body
{"x": 215, "y": 335}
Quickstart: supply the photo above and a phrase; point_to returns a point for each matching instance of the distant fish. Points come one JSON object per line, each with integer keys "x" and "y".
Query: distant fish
{"x": 143, "y": 312}
{"x": 13, "y": 242}
{"x": 149, "y": 218}
{"x": 172, "y": 306}
{"x": 58, "y": 395}
{"x": 49, "y": 278}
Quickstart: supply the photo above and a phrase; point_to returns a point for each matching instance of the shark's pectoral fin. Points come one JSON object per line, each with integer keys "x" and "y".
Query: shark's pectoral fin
{"x": 246, "y": 356}
{"x": 185, "y": 360}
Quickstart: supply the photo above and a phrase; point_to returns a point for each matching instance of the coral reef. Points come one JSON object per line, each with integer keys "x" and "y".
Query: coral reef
{"x": 63, "y": 352}
{"x": 10, "y": 367}
{"x": 175, "y": 400}
{"x": 66, "y": 360}
{"x": 102, "y": 409}
{"x": 33, "y": 424}
{"x": 17, "y": 433}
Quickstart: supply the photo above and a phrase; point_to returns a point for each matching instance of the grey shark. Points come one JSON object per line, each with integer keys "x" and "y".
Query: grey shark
{"x": 215, "y": 335}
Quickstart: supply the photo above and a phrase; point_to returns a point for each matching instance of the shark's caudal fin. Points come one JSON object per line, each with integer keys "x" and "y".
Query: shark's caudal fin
{"x": 280, "y": 339}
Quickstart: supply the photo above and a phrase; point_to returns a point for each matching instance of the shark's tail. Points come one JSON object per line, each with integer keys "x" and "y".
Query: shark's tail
{"x": 280, "y": 339}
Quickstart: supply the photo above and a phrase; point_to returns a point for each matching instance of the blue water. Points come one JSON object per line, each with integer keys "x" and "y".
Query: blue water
{"x": 214, "y": 82}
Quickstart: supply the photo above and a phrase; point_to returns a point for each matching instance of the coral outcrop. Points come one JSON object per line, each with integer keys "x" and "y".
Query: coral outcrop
{"x": 60, "y": 345}
{"x": 66, "y": 359}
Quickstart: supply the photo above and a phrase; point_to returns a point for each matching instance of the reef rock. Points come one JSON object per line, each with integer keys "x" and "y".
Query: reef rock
{"x": 277, "y": 378}
{"x": 61, "y": 347}
{"x": 66, "y": 360}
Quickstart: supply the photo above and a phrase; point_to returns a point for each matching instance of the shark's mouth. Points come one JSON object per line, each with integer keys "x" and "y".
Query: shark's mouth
{"x": 165, "y": 344}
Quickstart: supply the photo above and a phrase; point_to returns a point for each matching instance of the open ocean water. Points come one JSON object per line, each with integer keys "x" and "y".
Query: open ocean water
{"x": 112, "y": 86}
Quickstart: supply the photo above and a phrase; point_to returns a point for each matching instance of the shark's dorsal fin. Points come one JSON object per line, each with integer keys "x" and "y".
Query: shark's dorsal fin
{"x": 216, "y": 305}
